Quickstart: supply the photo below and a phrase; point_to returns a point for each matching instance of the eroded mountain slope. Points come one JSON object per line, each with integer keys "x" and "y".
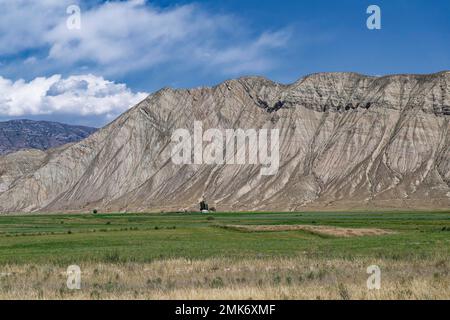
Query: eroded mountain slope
{"x": 346, "y": 141}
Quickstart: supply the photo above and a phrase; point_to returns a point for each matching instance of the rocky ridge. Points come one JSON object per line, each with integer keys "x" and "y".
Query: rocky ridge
{"x": 347, "y": 141}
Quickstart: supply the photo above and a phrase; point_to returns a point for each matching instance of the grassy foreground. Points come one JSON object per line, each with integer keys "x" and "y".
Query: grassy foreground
{"x": 165, "y": 256}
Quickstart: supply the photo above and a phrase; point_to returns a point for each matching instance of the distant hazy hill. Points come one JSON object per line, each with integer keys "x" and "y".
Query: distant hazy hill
{"x": 42, "y": 135}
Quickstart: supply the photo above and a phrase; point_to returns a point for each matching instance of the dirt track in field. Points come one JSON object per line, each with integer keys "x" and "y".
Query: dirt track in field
{"x": 322, "y": 230}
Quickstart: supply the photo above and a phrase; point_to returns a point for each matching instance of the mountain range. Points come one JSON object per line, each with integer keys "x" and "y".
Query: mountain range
{"x": 28, "y": 134}
{"x": 347, "y": 141}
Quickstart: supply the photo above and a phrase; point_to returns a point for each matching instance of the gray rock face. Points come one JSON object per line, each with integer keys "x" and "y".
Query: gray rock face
{"x": 347, "y": 141}
{"x": 28, "y": 134}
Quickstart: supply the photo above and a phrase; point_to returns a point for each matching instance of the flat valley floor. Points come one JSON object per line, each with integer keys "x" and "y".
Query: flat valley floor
{"x": 304, "y": 255}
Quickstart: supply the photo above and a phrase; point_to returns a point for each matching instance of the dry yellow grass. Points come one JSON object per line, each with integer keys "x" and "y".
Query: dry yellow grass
{"x": 219, "y": 278}
{"x": 323, "y": 230}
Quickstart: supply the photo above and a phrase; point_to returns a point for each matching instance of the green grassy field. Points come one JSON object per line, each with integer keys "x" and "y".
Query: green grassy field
{"x": 111, "y": 238}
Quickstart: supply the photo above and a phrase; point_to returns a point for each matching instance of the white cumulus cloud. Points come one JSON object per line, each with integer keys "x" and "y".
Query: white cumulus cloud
{"x": 118, "y": 37}
{"x": 81, "y": 95}
{"x": 127, "y": 40}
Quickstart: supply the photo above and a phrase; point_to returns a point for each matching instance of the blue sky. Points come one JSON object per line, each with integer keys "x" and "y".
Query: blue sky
{"x": 125, "y": 50}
